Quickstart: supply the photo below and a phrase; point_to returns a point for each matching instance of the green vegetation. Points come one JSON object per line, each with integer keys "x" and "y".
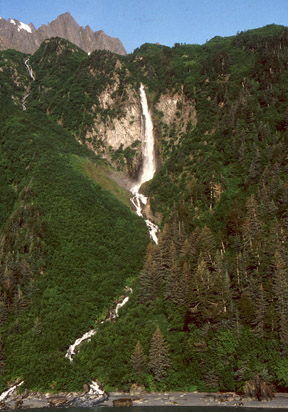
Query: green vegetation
{"x": 63, "y": 263}
{"x": 99, "y": 173}
{"x": 210, "y": 301}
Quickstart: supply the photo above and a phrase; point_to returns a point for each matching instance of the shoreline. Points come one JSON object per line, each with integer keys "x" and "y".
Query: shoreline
{"x": 228, "y": 399}
{"x": 134, "y": 398}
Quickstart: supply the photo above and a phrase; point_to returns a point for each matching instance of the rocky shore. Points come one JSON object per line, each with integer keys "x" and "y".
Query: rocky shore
{"x": 193, "y": 399}
{"x": 136, "y": 397}
{"x": 30, "y": 400}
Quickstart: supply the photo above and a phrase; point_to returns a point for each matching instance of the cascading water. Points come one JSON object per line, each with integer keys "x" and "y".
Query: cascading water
{"x": 31, "y": 74}
{"x": 148, "y": 165}
{"x": 29, "y": 68}
{"x": 9, "y": 391}
{"x": 111, "y": 315}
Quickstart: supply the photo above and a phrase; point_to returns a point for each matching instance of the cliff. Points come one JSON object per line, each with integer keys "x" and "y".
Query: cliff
{"x": 25, "y": 38}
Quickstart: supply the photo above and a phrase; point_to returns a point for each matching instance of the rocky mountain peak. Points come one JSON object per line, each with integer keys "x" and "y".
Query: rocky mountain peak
{"x": 25, "y": 38}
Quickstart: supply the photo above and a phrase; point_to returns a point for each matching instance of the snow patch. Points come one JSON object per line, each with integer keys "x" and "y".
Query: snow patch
{"x": 24, "y": 26}
{"x": 12, "y": 21}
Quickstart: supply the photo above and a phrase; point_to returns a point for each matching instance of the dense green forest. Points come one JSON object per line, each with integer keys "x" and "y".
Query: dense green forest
{"x": 209, "y": 308}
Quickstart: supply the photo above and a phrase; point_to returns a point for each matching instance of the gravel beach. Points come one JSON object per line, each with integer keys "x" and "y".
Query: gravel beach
{"x": 40, "y": 400}
{"x": 197, "y": 399}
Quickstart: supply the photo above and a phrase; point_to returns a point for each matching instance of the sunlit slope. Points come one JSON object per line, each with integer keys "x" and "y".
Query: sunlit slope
{"x": 100, "y": 173}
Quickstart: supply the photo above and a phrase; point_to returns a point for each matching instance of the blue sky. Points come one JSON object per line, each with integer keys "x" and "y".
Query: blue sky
{"x": 136, "y": 22}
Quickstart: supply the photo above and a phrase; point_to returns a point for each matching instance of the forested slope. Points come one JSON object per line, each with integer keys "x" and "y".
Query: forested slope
{"x": 63, "y": 263}
{"x": 211, "y": 299}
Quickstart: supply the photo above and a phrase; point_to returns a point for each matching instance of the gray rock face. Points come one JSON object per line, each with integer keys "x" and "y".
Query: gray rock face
{"x": 25, "y": 38}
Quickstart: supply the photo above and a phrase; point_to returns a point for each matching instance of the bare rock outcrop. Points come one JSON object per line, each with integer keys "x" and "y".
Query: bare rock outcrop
{"x": 25, "y": 38}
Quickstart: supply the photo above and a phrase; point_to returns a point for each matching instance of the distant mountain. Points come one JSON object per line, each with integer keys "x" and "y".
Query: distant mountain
{"x": 25, "y": 38}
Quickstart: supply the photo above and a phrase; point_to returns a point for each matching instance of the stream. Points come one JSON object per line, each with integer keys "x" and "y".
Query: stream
{"x": 31, "y": 74}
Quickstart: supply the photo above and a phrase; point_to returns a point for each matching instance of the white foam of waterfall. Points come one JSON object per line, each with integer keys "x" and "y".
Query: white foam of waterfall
{"x": 148, "y": 165}
{"x": 29, "y": 68}
{"x": 118, "y": 306}
{"x": 112, "y": 315}
{"x": 72, "y": 348}
{"x": 31, "y": 74}
{"x": 9, "y": 391}
{"x": 95, "y": 389}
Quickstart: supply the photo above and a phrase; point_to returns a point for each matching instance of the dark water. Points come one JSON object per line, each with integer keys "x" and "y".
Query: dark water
{"x": 160, "y": 409}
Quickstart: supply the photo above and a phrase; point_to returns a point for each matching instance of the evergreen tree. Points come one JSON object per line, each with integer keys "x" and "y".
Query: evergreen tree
{"x": 178, "y": 285}
{"x": 219, "y": 290}
{"x": 150, "y": 280}
{"x": 253, "y": 227}
{"x": 159, "y": 360}
{"x": 207, "y": 245}
{"x": 2, "y": 357}
{"x": 260, "y": 312}
{"x": 139, "y": 362}
{"x": 165, "y": 252}
{"x": 280, "y": 289}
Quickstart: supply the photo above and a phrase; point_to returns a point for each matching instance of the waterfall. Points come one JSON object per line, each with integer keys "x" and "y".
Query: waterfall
{"x": 72, "y": 348}
{"x": 113, "y": 314}
{"x": 149, "y": 163}
{"x": 31, "y": 74}
{"x": 8, "y": 392}
{"x": 29, "y": 68}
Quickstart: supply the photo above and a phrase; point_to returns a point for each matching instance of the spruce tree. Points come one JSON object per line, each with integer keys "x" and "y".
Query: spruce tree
{"x": 260, "y": 312}
{"x": 158, "y": 356}
{"x": 150, "y": 280}
{"x": 2, "y": 357}
{"x": 280, "y": 289}
{"x": 139, "y": 362}
{"x": 207, "y": 245}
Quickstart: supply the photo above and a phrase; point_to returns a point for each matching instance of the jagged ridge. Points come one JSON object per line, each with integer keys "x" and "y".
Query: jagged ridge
{"x": 25, "y": 38}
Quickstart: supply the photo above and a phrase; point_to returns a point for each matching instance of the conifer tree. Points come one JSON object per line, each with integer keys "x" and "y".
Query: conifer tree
{"x": 207, "y": 245}
{"x": 202, "y": 277}
{"x": 18, "y": 300}
{"x": 280, "y": 289}
{"x": 150, "y": 280}
{"x": 159, "y": 355}
{"x": 3, "y": 311}
{"x": 164, "y": 253}
{"x": 260, "y": 312}
{"x": 219, "y": 291}
{"x": 190, "y": 249}
{"x": 252, "y": 227}
{"x": 233, "y": 226}
{"x": 139, "y": 362}
{"x": 178, "y": 285}
{"x": 2, "y": 357}
{"x": 37, "y": 328}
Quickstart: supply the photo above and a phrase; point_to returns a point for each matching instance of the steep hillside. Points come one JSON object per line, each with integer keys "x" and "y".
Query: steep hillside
{"x": 211, "y": 299}
{"x": 63, "y": 263}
